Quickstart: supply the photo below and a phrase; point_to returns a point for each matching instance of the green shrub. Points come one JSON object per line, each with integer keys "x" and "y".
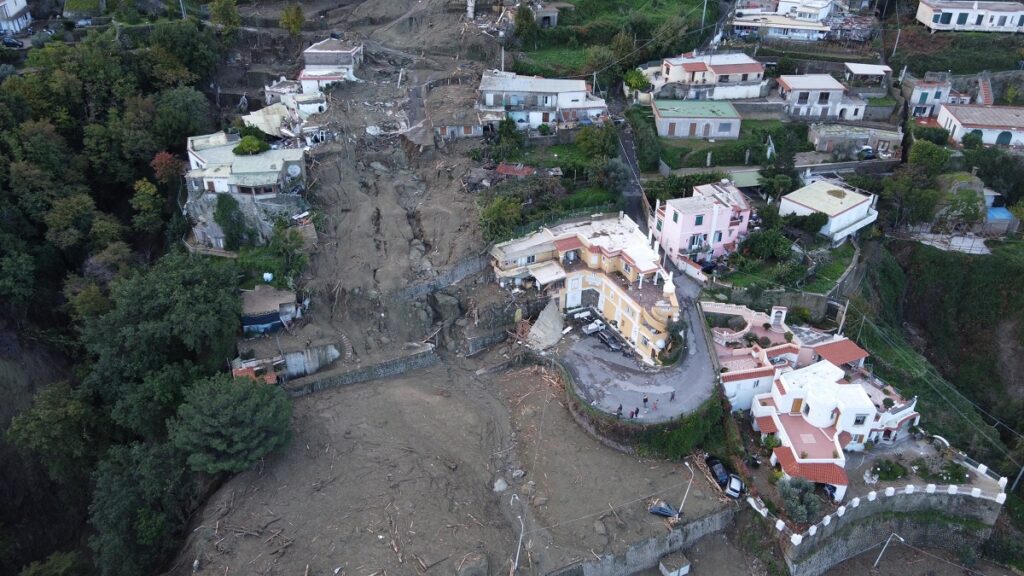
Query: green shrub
{"x": 802, "y": 505}
{"x": 889, "y": 471}
{"x": 229, "y": 217}
{"x": 544, "y": 129}
{"x": 250, "y": 146}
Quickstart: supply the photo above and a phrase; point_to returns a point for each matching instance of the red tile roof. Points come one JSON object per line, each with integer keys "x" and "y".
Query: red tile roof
{"x": 782, "y": 389}
{"x": 747, "y": 374}
{"x": 567, "y": 244}
{"x": 750, "y": 67}
{"x": 695, "y": 67}
{"x": 824, "y": 473}
{"x": 841, "y": 352}
{"x": 781, "y": 349}
{"x": 518, "y": 171}
{"x": 767, "y": 424}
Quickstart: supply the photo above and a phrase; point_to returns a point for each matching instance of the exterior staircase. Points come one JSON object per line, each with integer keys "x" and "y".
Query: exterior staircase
{"x": 985, "y": 91}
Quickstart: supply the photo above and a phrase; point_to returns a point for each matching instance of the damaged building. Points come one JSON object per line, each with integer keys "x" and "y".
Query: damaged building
{"x": 267, "y": 187}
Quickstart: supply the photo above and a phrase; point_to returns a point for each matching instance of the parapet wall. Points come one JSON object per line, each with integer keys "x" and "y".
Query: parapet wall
{"x": 645, "y": 554}
{"x": 948, "y": 517}
{"x": 422, "y": 358}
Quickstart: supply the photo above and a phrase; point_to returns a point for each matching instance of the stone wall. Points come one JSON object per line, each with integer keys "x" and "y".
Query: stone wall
{"x": 928, "y": 516}
{"x": 759, "y": 110}
{"x": 422, "y": 358}
{"x": 817, "y": 304}
{"x": 453, "y": 275}
{"x": 645, "y": 554}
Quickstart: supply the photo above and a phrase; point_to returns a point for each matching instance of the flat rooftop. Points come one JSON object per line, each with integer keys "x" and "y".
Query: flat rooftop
{"x": 777, "y": 21}
{"x": 868, "y": 69}
{"x": 827, "y": 197}
{"x": 971, "y": 116}
{"x": 971, "y": 4}
{"x": 810, "y": 82}
{"x": 694, "y": 109}
{"x": 498, "y": 81}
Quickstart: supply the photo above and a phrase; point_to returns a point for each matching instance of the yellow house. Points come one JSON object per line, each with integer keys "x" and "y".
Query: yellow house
{"x": 605, "y": 263}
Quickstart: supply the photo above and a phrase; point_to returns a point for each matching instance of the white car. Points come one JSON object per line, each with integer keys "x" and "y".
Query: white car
{"x": 595, "y": 326}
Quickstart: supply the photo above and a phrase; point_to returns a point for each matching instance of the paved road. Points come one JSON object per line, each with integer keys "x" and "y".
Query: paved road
{"x": 634, "y": 190}
{"x": 608, "y": 379}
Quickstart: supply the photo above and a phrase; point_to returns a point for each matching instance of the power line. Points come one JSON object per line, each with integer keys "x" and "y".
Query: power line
{"x": 941, "y": 559}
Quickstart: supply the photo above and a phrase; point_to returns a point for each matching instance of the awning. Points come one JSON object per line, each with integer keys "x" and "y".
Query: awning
{"x": 547, "y": 272}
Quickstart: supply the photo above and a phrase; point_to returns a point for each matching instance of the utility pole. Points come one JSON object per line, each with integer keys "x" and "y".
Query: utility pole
{"x": 182, "y": 4}
{"x": 703, "y": 12}
{"x": 1017, "y": 481}
{"x": 887, "y": 540}
{"x": 896, "y": 43}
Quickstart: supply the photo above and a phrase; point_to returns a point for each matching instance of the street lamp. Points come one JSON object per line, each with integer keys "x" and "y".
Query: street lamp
{"x": 522, "y": 528}
{"x": 679, "y": 513}
{"x": 887, "y": 540}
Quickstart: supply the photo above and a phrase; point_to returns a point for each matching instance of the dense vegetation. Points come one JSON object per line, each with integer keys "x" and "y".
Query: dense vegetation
{"x": 89, "y": 178}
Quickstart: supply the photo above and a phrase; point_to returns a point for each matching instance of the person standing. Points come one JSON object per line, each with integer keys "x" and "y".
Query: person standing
{"x": 672, "y": 398}
{"x": 645, "y": 401}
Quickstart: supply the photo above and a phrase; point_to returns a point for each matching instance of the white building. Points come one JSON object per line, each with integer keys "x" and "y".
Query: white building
{"x": 999, "y": 125}
{"x": 327, "y": 62}
{"x": 816, "y": 415}
{"x": 819, "y": 96}
{"x": 266, "y": 186}
{"x": 709, "y": 76}
{"x": 779, "y": 26}
{"x": 848, "y": 210}
{"x": 970, "y": 15}
{"x": 14, "y": 16}
{"x": 927, "y": 95}
{"x": 531, "y": 100}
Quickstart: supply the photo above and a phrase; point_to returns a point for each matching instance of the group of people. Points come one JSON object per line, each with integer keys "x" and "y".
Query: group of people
{"x": 635, "y": 413}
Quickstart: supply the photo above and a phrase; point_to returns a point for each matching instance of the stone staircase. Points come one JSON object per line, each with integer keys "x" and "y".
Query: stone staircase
{"x": 985, "y": 97}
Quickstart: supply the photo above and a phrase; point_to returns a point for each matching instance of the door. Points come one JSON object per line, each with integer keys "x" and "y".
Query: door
{"x": 707, "y": 130}
{"x": 798, "y": 404}
{"x": 693, "y": 129}
{"x": 1004, "y": 138}
{"x": 545, "y": 117}
{"x": 671, "y": 128}
{"x": 574, "y": 297}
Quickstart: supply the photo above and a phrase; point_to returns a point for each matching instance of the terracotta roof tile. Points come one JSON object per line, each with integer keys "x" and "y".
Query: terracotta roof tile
{"x": 747, "y": 374}
{"x": 767, "y": 424}
{"x": 824, "y": 473}
{"x": 518, "y": 171}
{"x": 695, "y": 67}
{"x": 844, "y": 439}
{"x": 566, "y": 244}
{"x": 841, "y": 352}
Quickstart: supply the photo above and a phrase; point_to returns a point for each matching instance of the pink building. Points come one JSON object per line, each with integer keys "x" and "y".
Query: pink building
{"x": 709, "y": 224}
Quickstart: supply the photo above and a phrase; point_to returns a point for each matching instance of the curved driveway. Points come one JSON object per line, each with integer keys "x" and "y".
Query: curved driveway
{"x": 607, "y": 379}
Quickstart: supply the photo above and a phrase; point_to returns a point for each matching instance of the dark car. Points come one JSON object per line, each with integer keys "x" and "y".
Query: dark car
{"x": 10, "y": 42}
{"x": 609, "y": 340}
{"x": 730, "y": 483}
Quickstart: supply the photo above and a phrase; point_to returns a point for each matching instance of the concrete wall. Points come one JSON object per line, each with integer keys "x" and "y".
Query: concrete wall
{"x": 948, "y": 521}
{"x": 421, "y": 359}
{"x": 452, "y": 275}
{"x": 817, "y": 304}
{"x": 646, "y": 553}
{"x": 760, "y": 110}
{"x": 878, "y": 113}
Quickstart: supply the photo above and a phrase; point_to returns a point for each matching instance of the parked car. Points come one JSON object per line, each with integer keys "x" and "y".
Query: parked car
{"x": 593, "y": 327}
{"x": 730, "y": 483}
{"x": 12, "y": 42}
{"x": 609, "y": 340}
{"x": 866, "y": 153}
{"x": 709, "y": 268}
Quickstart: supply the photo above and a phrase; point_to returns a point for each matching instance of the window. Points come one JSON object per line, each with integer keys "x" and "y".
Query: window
{"x": 856, "y": 112}
{"x": 859, "y": 438}
{"x": 531, "y": 259}
{"x": 626, "y": 268}
{"x": 644, "y": 341}
{"x": 802, "y": 97}
{"x": 938, "y": 94}
{"x": 860, "y": 419}
{"x": 947, "y": 17}
{"x": 718, "y": 236}
{"x": 807, "y": 409}
{"x": 723, "y": 78}
{"x": 1021, "y": 21}
{"x": 675, "y": 216}
{"x": 961, "y": 18}
{"x": 724, "y": 127}
{"x": 699, "y": 220}
{"x": 1002, "y": 21}
{"x": 978, "y": 21}
{"x": 823, "y": 97}
{"x": 923, "y": 99}
{"x": 744, "y": 77}
{"x": 935, "y": 19}
{"x": 659, "y": 226}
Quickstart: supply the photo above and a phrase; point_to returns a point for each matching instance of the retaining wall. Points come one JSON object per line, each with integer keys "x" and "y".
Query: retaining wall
{"x": 937, "y": 519}
{"x": 423, "y": 358}
{"x": 817, "y": 304}
{"x": 452, "y": 275}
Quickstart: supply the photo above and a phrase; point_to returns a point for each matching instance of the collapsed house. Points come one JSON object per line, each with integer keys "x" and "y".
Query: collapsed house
{"x": 267, "y": 186}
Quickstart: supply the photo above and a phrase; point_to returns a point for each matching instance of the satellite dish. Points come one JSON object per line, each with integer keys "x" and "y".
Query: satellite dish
{"x": 294, "y": 170}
